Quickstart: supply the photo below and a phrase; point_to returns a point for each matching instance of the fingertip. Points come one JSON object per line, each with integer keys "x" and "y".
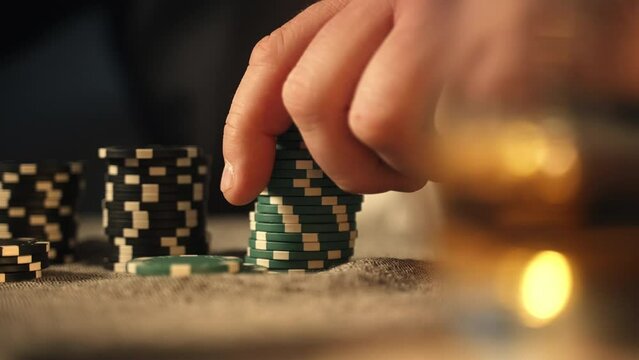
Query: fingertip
{"x": 248, "y": 161}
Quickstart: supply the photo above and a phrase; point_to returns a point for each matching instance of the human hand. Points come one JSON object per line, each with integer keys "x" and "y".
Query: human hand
{"x": 360, "y": 79}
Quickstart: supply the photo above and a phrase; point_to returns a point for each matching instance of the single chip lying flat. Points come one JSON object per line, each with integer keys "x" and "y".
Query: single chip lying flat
{"x": 184, "y": 265}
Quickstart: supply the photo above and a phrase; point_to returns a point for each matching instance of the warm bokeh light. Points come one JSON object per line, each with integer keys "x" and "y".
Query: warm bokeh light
{"x": 545, "y": 288}
{"x": 523, "y": 148}
{"x": 562, "y": 157}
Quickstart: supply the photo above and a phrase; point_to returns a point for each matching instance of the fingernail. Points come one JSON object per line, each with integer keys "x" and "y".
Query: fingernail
{"x": 227, "y": 177}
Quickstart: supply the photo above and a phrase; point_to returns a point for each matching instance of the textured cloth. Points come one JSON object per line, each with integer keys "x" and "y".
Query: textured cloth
{"x": 85, "y": 312}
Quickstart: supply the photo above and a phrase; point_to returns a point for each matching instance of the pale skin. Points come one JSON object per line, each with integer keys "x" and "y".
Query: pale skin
{"x": 360, "y": 79}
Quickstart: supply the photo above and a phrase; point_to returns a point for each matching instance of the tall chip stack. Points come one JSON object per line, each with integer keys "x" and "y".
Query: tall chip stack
{"x": 154, "y": 202}
{"x": 38, "y": 200}
{"x": 302, "y": 221}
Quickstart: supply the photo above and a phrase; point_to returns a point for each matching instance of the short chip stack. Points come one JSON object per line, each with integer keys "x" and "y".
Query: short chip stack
{"x": 38, "y": 200}
{"x": 302, "y": 220}
{"x": 154, "y": 202}
{"x": 22, "y": 259}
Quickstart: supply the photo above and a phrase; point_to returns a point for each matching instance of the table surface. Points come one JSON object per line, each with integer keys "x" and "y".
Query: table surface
{"x": 84, "y": 311}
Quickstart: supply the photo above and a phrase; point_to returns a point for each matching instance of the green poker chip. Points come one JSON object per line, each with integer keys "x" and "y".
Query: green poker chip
{"x": 303, "y": 228}
{"x": 299, "y": 255}
{"x": 297, "y": 174}
{"x": 301, "y": 246}
{"x": 253, "y": 269}
{"x": 310, "y": 200}
{"x": 300, "y": 183}
{"x": 294, "y": 272}
{"x": 184, "y": 265}
{"x": 307, "y": 210}
{"x": 296, "y": 165}
{"x": 301, "y": 219}
{"x": 304, "y": 237}
{"x": 295, "y": 264}
{"x": 308, "y": 191}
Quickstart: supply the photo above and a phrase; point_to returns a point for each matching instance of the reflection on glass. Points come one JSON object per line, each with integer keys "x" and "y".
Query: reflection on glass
{"x": 545, "y": 288}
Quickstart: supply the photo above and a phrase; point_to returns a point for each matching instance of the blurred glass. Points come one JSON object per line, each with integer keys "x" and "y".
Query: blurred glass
{"x": 538, "y": 241}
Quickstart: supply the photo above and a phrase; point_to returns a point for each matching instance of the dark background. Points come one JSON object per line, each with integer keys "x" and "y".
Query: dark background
{"x": 77, "y": 75}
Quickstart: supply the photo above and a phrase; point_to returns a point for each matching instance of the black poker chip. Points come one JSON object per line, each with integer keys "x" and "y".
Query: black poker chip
{"x": 23, "y": 259}
{"x": 39, "y": 222}
{"x": 42, "y": 237}
{"x": 148, "y": 206}
{"x": 158, "y": 170}
{"x": 146, "y": 233}
{"x": 17, "y": 212}
{"x": 60, "y": 177}
{"x": 42, "y": 167}
{"x": 175, "y": 162}
{"x": 34, "y": 266}
{"x": 35, "y": 203}
{"x": 153, "y": 224}
{"x": 41, "y": 233}
{"x": 28, "y": 183}
{"x": 52, "y": 235}
{"x": 20, "y": 276}
{"x": 155, "y": 188}
{"x": 35, "y": 219}
{"x": 149, "y": 152}
{"x": 119, "y": 253}
{"x": 152, "y": 215}
{"x": 28, "y": 195}
{"x": 23, "y": 246}
{"x": 22, "y": 197}
{"x": 134, "y": 179}
{"x": 154, "y": 242}
{"x": 157, "y": 197}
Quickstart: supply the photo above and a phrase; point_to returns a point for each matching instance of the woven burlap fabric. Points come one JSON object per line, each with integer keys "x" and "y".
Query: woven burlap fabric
{"x": 81, "y": 311}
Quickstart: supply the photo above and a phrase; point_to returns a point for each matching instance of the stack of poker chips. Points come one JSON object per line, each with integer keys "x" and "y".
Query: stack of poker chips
{"x": 38, "y": 200}
{"x": 23, "y": 259}
{"x": 154, "y": 202}
{"x": 302, "y": 221}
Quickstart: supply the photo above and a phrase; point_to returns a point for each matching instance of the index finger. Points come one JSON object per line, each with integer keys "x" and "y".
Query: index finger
{"x": 257, "y": 114}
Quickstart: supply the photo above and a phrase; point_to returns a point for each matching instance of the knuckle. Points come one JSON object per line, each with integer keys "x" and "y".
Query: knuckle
{"x": 297, "y": 95}
{"x": 268, "y": 51}
{"x": 377, "y": 130}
